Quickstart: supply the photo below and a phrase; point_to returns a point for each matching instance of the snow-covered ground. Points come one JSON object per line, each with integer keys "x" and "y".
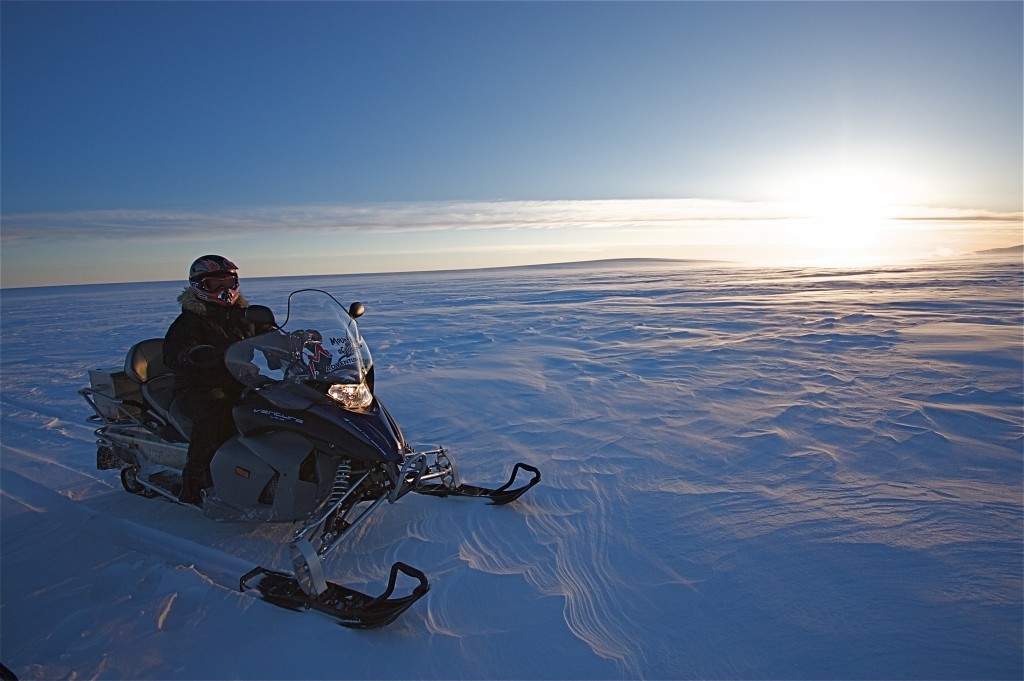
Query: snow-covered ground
{"x": 747, "y": 474}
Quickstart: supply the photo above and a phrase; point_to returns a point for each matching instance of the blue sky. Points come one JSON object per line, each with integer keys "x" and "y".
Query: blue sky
{"x": 332, "y": 137}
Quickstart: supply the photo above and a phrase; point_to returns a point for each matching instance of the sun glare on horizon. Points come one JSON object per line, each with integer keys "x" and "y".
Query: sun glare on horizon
{"x": 845, "y": 216}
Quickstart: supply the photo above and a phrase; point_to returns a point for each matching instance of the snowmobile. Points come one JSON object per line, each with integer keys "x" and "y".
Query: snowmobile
{"x": 314, "y": 447}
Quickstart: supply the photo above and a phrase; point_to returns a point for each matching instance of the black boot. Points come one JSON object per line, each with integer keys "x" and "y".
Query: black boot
{"x": 191, "y": 490}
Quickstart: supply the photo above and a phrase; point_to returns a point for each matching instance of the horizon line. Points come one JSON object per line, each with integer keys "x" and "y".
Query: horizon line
{"x": 1008, "y": 250}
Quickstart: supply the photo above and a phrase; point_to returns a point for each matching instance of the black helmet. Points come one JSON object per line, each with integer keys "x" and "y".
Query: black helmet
{"x": 206, "y": 265}
{"x": 222, "y": 287}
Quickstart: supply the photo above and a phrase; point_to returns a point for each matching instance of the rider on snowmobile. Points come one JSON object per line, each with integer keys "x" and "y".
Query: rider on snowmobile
{"x": 212, "y": 318}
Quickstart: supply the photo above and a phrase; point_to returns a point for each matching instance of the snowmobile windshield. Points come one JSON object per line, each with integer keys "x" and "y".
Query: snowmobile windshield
{"x": 316, "y": 354}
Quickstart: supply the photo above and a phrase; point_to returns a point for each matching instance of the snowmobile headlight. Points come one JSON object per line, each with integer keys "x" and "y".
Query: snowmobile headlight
{"x": 351, "y": 395}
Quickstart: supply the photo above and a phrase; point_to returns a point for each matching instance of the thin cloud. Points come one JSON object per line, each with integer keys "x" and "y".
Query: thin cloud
{"x": 381, "y": 218}
{"x": 733, "y": 220}
{"x": 960, "y": 215}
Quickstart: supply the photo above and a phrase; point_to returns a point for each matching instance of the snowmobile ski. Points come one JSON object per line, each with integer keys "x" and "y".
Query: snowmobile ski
{"x": 348, "y": 607}
{"x": 502, "y": 495}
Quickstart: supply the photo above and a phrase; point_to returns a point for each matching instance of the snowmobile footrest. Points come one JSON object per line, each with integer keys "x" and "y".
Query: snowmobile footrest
{"x": 348, "y": 607}
{"x": 499, "y": 496}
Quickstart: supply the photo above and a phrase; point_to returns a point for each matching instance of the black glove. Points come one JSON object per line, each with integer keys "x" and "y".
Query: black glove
{"x": 307, "y": 335}
{"x": 203, "y": 356}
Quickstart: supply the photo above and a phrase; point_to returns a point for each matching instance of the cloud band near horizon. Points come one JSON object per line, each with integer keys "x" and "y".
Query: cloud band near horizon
{"x": 431, "y": 216}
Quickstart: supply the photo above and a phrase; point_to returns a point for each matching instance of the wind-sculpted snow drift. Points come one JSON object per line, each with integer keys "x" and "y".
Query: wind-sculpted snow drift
{"x": 747, "y": 474}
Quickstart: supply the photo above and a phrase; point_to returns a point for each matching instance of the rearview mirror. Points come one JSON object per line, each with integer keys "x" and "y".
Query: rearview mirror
{"x": 356, "y": 310}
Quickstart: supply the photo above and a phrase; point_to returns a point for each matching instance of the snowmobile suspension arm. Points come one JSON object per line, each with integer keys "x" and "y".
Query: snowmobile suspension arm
{"x": 331, "y": 508}
{"x": 307, "y": 557}
{"x": 329, "y": 546}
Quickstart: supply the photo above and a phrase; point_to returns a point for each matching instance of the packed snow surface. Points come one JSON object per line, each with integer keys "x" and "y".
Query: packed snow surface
{"x": 784, "y": 473}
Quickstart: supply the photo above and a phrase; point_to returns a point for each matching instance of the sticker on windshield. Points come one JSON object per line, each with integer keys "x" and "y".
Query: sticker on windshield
{"x": 318, "y": 360}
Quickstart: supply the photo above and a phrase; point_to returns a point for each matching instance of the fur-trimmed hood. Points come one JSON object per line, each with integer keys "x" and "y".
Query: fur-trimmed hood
{"x": 190, "y": 302}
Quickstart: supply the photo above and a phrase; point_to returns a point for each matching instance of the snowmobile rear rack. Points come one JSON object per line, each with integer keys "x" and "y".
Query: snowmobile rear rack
{"x": 350, "y": 608}
{"x": 501, "y": 495}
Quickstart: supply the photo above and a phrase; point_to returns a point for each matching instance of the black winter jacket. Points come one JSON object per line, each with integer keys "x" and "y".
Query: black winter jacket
{"x": 202, "y": 323}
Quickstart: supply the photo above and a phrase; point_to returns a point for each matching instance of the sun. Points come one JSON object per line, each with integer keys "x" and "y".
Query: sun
{"x": 843, "y": 216}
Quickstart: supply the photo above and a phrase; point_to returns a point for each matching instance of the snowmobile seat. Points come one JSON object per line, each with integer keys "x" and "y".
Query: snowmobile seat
{"x": 145, "y": 365}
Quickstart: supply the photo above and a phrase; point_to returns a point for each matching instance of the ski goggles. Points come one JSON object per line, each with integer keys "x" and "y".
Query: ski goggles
{"x": 215, "y": 283}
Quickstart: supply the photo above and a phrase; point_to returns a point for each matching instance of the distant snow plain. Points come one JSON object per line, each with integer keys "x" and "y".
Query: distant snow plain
{"x": 747, "y": 474}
